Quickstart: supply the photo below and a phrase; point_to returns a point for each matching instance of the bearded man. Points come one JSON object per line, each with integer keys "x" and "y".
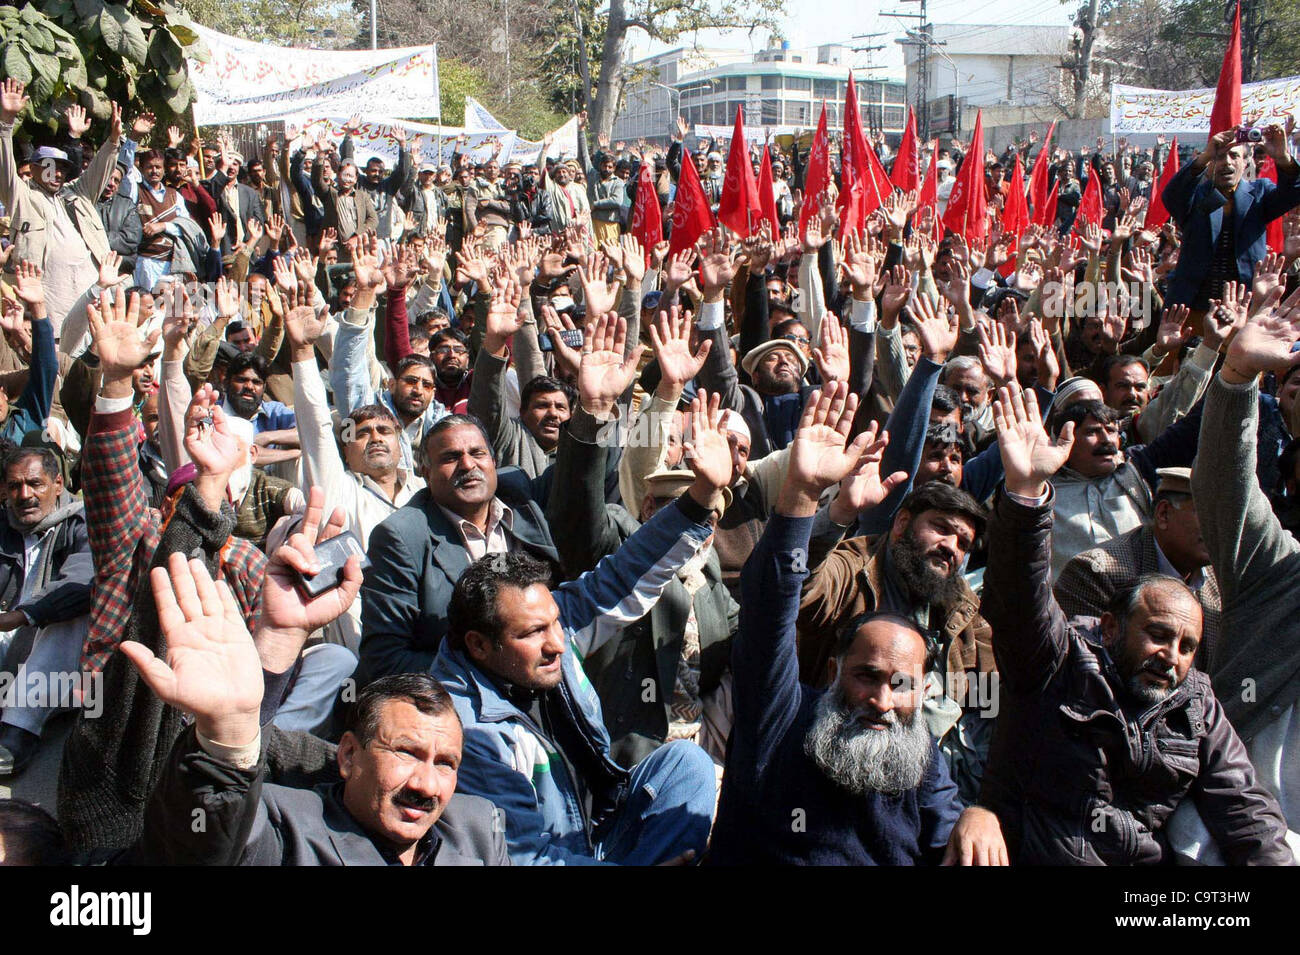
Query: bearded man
{"x": 849, "y": 776}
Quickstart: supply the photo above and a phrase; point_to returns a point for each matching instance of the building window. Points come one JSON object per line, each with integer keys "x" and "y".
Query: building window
{"x": 895, "y": 116}
{"x": 870, "y": 91}
{"x": 771, "y": 82}
{"x": 800, "y": 84}
{"x": 825, "y": 88}
{"x": 895, "y": 93}
{"x": 797, "y": 114}
{"x": 771, "y": 112}
{"x": 736, "y": 82}
{"x": 732, "y": 106}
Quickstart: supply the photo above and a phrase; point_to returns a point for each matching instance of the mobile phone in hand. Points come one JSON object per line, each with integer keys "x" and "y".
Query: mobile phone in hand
{"x": 572, "y": 337}
{"x": 331, "y": 555}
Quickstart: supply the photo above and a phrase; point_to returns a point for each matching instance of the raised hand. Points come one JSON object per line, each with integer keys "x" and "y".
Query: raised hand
{"x": 567, "y": 359}
{"x": 707, "y": 449}
{"x": 1226, "y": 316}
{"x": 1173, "y": 330}
{"x": 832, "y": 356}
{"x": 302, "y": 324}
{"x": 859, "y": 262}
{"x": 117, "y": 328}
{"x": 212, "y": 670}
{"x": 1264, "y": 343}
{"x": 863, "y": 488}
{"x": 28, "y": 286}
{"x": 1046, "y": 363}
{"x": 400, "y": 268}
{"x": 717, "y": 266}
{"x": 633, "y": 259}
{"x": 938, "y": 333}
{"x": 898, "y": 287}
{"x": 997, "y": 351}
{"x": 13, "y": 99}
{"x": 502, "y": 320}
{"x": 599, "y": 296}
{"x": 288, "y": 618}
{"x": 1268, "y": 275}
{"x": 671, "y": 338}
{"x": 680, "y": 268}
{"x": 285, "y": 280}
{"x": 174, "y": 137}
{"x": 227, "y": 299}
{"x": 605, "y": 372}
{"x": 1029, "y": 455}
{"x": 821, "y": 453}
{"x": 215, "y": 449}
{"x": 180, "y": 316}
{"x": 78, "y": 123}
{"x": 471, "y": 266}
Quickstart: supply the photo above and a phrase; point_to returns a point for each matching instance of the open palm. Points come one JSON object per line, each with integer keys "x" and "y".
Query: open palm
{"x": 821, "y": 454}
{"x": 1030, "y": 456}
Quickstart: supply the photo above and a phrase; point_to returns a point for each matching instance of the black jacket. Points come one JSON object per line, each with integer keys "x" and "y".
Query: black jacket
{"x": 1076, "y": 774}
{"x": 67, "y": 592}
{"x": 121, "y": 220}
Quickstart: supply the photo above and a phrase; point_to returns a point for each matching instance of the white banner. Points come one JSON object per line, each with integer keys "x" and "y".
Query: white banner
{"x": 1134, "y": 109}
{"x": 564, "y": 145}
{"x": 376, "y": 139}
{"x": 478, "y": 119}
{"x": 247, "y": 82}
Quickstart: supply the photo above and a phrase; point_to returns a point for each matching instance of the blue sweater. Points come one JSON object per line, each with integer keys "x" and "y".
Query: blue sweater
{"x": 777, "y": 806}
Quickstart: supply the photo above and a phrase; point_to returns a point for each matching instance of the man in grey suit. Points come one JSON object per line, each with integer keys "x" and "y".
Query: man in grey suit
{"x": 398, "y": 758}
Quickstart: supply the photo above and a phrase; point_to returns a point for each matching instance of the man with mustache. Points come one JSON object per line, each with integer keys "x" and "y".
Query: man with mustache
{"x": 850, "y": 776}
{"x": 1102, "y": 491}
{"x": 391, "y": 798}
{"x": 362, "y": 471}
{"x": 536, "y": 741}
{"x": 1105, "y": 730}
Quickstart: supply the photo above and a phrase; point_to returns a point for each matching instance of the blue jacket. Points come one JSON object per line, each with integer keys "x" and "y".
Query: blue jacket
{"x": 508, "y": 759}
{"x": 777, "y": 806}
{"x": 1196, "y": 206}
{"x": 32, "y": 409}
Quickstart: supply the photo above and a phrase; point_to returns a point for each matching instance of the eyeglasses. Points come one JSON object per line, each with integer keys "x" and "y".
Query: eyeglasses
{"x": 442, "y": 351}
{"x": 797, "y": 339}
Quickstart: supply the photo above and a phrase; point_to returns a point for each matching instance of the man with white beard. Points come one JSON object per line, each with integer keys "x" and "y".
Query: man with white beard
{"x": 849, "y": 776}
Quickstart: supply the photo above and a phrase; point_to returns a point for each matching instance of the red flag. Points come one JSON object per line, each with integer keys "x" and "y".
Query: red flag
{"x": 967, "y": 211}
{"x": 1090, "y": 208}
{"x": 906, "y": 174}
{"x": 1015, "y": 214}
{"x": 929, "y": 194}
{"x": 647, "y": 217}
{"x": 1227, "y": 96}
{"x": 767, "y": 195}
{"x": 876, "y": 186}
{"x": 1049, "y": 217}
{"x": 691, "y": 215}
{"x": 817, "y": 177}
{"x": 1038, "y": 181}
{"x": 738, "y": 206}
{"x": 1273, "y": 231}
{"x": 857, "y": 187}
{"x": 1157, "y": 214}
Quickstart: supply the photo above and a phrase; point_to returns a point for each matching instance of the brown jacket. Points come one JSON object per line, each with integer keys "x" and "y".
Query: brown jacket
{"x": 1088, "y": 583}
{"x": 849, "y": 582}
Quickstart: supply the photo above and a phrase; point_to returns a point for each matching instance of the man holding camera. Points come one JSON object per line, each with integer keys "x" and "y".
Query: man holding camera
{"x": 1224, "y": 218}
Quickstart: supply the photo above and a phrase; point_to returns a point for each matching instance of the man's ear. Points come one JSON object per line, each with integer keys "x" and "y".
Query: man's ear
{"x": 478, "y": 646}
{"x": 347, "y": 754}
{"x": 253, "y": 450}
{"x": 1162, "y": 514}
{"x": 901, "y": 522}
{"x": 832, "y": 670}
{"x": 1110, "y": 630}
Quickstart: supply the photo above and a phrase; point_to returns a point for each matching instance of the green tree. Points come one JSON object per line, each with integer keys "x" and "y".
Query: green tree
{"x": 96, "y": 53}
{"x": 282, "y": 22}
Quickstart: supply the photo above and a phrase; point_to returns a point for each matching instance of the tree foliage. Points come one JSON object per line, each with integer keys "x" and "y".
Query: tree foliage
{"x": 96, "y": 53}
{"x": 282, "y": 22}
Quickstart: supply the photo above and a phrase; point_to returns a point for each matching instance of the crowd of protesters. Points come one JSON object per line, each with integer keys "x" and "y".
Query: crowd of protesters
{"x": 443, "y": 515}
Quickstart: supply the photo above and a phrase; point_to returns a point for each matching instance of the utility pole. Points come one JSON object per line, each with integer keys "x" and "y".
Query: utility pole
{"x": 374, "y": 26}
{"x": 924, "y": 39}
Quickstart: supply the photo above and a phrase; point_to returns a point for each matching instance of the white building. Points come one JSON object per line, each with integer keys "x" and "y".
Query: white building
{"x": 992, "y": 64}
{"x": 777, "y": 87}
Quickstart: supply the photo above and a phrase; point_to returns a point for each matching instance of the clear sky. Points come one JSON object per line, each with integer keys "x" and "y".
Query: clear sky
{"x": 813, "y": 22}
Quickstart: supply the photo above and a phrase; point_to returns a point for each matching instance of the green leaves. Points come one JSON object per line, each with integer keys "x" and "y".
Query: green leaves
{"x": 15, "y": 62}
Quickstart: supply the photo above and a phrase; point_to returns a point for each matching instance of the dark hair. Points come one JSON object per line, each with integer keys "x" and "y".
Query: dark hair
{"x": 455, "y": 421}
{"x": 473, "y": 605}
{"x": 31, "y": 835}
{"x": 416, "y": 334}
{"x": 945, "y": 434}
{"x": 49, "y": 460}
{"x": 447, "y": 334}
{"x": 938, "y": 496}
{"x": 544, "y": 385}
{"x": 1286, "y": 463}
{"x": 1108, "y": 364}
{"x": 246, "y": 360}
{"x": 845, "y": 635}
{"x": 783, "y": 327}
{"x": 367, "y": 412}
{"x": 945, "y": 400}
{"x": 419, "y": 689}
{"x": 1079, "y": 412}
{"x": 410, "y": 361}
{"x": 149, "y": 155}
{"x": 432, "y": 313}
{"x": 776, "y": 305}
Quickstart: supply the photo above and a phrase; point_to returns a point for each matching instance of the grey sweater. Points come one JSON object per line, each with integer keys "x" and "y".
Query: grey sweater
{"x": 1256, "y": 669}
